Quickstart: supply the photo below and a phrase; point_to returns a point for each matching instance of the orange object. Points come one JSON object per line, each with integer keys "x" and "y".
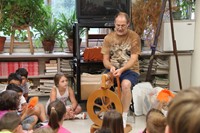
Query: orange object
{"x": 32, "y": 102}
{"x": 165, "y": 95}
{"x": 93, "y": 54}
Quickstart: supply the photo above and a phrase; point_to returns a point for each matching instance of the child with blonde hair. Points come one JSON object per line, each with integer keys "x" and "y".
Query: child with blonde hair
{"x": 62, "y": 91}
{"x": 184, "y": 111}
{"x": 155, "y": 122}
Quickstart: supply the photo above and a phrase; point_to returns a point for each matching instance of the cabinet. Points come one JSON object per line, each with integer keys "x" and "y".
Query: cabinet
{"x": 41, "y": 59}
{"x": 78, "y": 62}
{"x": 184, "y": 35}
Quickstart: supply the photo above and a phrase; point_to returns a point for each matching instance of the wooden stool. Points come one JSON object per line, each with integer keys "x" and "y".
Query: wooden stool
{"x": 24, "y": 27}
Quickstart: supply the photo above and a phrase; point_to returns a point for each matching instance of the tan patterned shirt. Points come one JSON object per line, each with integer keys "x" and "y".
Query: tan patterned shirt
{"x": 120, "y": 48}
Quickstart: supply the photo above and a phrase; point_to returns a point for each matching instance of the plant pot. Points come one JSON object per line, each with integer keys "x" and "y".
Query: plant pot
{"x": 70, "y": 43}
{"x": 48, "y": 46}
{"x": 2, "y": 43}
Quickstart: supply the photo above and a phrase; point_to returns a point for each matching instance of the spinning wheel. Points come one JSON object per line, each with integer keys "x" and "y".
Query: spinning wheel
{"x": 103, "y": 100}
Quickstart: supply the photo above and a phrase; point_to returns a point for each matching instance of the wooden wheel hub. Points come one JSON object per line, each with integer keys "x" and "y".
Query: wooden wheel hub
{"x": 101, "y": 101}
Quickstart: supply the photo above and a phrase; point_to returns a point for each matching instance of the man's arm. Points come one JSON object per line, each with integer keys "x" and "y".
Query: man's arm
{"x": 127, "y": 66}
{"x": 107, "y": 63}
{"x": 130, "y": 63}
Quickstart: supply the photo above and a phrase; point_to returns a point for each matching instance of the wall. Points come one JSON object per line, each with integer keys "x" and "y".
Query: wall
{"x": 195, "y": 80}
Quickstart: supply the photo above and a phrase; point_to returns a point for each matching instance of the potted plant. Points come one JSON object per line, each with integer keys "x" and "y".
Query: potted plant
{"x": 3, "y": 25}
{"x": 66, "y": 25}
{"x": 18, "y": 13}
{"x": 49, "y": 35}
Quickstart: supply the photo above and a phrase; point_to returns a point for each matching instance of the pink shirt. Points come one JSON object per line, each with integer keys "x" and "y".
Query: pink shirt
{"x": 63, "y": 130}
{"x": 60, "y": 130}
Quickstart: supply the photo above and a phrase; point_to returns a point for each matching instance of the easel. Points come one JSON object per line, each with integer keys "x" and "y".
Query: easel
{"x": 153, "y": 47}
{"x": 12, "y": 42}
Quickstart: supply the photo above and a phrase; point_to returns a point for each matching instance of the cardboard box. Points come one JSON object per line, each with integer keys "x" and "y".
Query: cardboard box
{"x": 87, "y": 88}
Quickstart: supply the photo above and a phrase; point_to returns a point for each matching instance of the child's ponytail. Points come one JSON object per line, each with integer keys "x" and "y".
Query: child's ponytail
{"x": 56, "y": 111}
{"x": 53, "y": 119}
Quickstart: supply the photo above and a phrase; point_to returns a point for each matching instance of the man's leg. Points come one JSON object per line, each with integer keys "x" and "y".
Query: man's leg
{"x": 125, "y": 98}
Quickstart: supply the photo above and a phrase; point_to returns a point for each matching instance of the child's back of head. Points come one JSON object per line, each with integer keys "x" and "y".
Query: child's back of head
{"x": 22, "y": 72}
{"x": 9, "y": 100}
{"x": 156, "y": 121}
{"x": 14, "y": 78}
{"x": 184, "y": 112}
{"x": 113, "y": 120}
{"x": 14, "y": 87}
{"x": 56, "y": 111}
{"x": 43, "y": 130}
{"x": 10, "y": 121}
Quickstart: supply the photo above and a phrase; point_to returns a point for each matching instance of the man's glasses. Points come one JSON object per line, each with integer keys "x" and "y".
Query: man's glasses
{"x": 121, "y": 26}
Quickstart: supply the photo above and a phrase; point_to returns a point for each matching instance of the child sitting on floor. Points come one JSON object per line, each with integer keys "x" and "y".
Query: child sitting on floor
{"x": 56, "y": 112}
{"x": 62, "y": 91}
{"x": 10, "y": 123}
{"x": 113, "y": 120}
{"x": 155, "y": 122}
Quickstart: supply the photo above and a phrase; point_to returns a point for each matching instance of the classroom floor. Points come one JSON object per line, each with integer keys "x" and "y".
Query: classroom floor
{"x": 83, "y": 126}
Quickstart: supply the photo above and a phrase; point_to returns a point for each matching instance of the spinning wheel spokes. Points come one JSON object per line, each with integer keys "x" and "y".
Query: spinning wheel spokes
{"x": 101, "y": 101}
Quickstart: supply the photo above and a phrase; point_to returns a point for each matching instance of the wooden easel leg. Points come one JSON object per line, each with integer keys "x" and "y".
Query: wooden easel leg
{"x": 30, "y": 41}
{"x": 12, "y": 42}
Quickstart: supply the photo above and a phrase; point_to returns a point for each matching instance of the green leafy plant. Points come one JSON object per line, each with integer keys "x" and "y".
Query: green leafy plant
{"x": 66, "y": 24}
{"x": 185, "y": 7}
{"x": 21, "y": 12}
{"x": 50, "y": 32}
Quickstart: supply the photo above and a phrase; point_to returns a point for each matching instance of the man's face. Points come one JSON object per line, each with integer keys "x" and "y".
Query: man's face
{"x": 121, "y": 25}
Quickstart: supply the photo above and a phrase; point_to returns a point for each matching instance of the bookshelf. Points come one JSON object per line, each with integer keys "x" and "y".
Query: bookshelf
{"x": 45, "y": 66}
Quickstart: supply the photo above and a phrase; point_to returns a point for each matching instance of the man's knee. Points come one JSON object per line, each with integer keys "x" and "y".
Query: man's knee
{"x": 126, "y": 86}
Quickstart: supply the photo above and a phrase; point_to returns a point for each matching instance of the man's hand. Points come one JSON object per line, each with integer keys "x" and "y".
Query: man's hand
{"x": 112, "y": 70}
{"x": 117, "y": 72}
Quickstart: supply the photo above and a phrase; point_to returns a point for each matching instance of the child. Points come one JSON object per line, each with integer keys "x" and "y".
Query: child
{"x": 10, "y": 123}
{"x": 9, "y": 100}
{"x": 39, "y": 109}
{"x": 14, "y": 78}
{"x": 43, "y": 130}
{"x": 155, "y": 121}
{"x": 63, "y": 92}
{"x": 184, "y": 111}
{"x": 113, "y": 120}
{"x": 24, "y": 75}
{"x": 27, "y": 116}
{"x": 56, "y": 112}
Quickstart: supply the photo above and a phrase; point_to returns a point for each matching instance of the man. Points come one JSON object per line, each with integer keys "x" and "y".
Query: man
{"x": 120, "y": 55}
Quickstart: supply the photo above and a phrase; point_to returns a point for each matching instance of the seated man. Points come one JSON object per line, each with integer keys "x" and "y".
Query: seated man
{"x": 120, "y": 55}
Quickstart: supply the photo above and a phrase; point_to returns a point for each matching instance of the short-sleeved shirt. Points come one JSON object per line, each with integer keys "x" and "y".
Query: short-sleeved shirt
{"x": 121, "y": 47}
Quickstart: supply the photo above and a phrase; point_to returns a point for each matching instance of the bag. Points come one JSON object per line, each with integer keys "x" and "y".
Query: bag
{"x": 93, "y": 54}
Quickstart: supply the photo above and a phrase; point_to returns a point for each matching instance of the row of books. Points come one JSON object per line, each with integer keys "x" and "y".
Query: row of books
{"x": 51, "y": 67}
{"x": 160, "y": 66}
{"x": 46, "y": 85}
{"x": 65, "y": 67}
{"x": 9, "y": 67}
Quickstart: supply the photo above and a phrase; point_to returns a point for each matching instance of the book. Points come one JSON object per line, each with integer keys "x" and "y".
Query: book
{"x": 46, "y": 81}
{"x": 52, "y": 61}
{"x": 51, "y": 64}
{"x": 51, "y": 67}
{"x": 50, "y": 73}
{"x": 51, "y": 70}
